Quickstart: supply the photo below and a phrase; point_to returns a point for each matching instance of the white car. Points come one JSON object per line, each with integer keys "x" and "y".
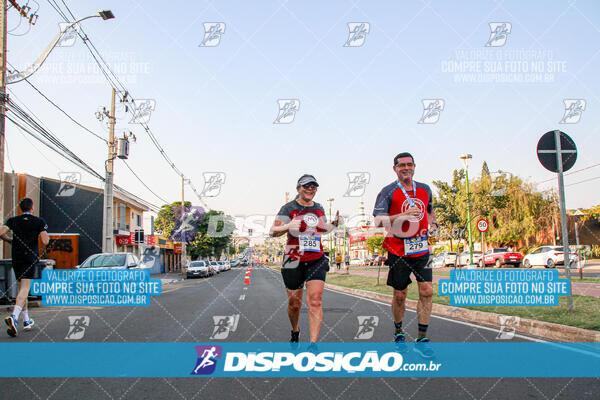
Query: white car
{"x": 438, "y": 261}
{"x": 198, "y": 269}
{"x": 225, "y": 266}
{"x": 216, "y": 266}
{"x": 549, "y": 257}
{"x": 449, "y": 258}
{"x": 358, "y": 261}
{"x": 463, "y": 258}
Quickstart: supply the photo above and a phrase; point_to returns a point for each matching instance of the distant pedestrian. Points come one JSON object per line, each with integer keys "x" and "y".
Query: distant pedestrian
{"x": 338, "y": 260}
{"x": 347, "y": 260}
{"x": 26, "y": 229}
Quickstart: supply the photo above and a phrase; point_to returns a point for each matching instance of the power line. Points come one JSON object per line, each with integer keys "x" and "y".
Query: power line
{"x": 28, "y": 124}
{"x": 99, "y": 137}
{"x": 569, "y": 173}
{"x": 61, "y": 110}
{"x": 142, "y": 182}
{"x": 586, "y": 180}
{"x": 116, "y": 83}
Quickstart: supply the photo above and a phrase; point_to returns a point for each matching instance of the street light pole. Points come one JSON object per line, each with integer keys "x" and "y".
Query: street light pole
{"x": 466, "y": 158}
{"x": 183, "y": 249}
{"x": 330, "y": 200}
{"x": 3, "y": 32}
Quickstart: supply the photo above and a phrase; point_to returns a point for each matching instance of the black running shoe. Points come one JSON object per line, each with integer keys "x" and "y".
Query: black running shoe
{"x": 295, "y": 337}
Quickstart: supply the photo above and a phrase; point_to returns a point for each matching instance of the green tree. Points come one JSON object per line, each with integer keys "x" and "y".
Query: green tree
{"x": 165, "y": 221}
{"x": 213, "y": 235}
{"x": 450, "y": 206}
{"x": 514, "y": 209}
{"x": 375, "y": 244}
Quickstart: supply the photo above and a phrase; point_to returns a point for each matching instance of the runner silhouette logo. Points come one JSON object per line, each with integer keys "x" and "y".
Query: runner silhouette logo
{"x": 207, "y": 359}
{"x": 366, "y": 326}
{"x": 77, "y": 327}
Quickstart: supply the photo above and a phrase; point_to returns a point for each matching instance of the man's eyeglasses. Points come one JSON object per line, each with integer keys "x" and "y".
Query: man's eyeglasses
{"x": 405, "y": 165}
{"x": 309, "y": 186}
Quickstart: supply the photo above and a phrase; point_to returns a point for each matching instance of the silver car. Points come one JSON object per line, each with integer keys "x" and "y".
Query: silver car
{"x": 198, "y": 269}
{"x": 113, "y": 260}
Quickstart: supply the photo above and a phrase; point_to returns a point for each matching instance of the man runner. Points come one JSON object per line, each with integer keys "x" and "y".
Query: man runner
{"x": 405, "y": 209}
{"x": 26, "y": 228}
{"x": 304, "y": 262}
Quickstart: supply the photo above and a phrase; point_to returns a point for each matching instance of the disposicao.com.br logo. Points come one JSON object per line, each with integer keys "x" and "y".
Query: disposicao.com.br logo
{"x": 274, "y": 360}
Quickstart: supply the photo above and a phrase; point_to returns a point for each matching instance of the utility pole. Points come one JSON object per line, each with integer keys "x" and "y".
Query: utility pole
{"x": 183, "y": 255}
{"x": 107, "y": 226}
{"x": 2, "y": 110}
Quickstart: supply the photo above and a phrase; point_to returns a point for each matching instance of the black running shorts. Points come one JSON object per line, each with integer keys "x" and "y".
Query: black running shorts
{"x": 296, "y": 273}
{"x": 402, "y": 267}
{"x": 25, "y": 269}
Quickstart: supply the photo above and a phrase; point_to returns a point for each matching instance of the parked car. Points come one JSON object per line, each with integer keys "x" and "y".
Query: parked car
{"x": 358, "y": 261}
{"x": 463, "y": 258}
{"x": 501, "y": 256}
{"x": 113, "y": 260}
{"x": 224, "y": 265}
{"x": 216, "y": 266}
{"x": 549, "y": 257}
{"x": 235, "y": 262}
{"x": 449, "y": 259}
{"x": 198, "y": 269}
{"x": 438, "y": 261}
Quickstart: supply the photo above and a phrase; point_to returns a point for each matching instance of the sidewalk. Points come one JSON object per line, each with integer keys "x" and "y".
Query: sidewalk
{"x": 169, "y": 277}
{"x": 580, "y": 288}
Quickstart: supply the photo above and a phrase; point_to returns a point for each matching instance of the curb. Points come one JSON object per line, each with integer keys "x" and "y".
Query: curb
{"x": 532, "y": 327}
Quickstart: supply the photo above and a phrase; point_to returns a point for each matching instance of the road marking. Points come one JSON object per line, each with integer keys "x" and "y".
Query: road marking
{"x": 442, "y": 318}
{"x": 242, "y": 297}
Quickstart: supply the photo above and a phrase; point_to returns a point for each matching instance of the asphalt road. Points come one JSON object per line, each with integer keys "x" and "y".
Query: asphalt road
{"x": 185, "y": 311}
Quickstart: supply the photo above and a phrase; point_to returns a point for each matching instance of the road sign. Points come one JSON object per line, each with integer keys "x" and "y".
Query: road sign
{"x": 547, "y": 154}
{"x": 482, "y": 225}
{"x": 557, "y": 152}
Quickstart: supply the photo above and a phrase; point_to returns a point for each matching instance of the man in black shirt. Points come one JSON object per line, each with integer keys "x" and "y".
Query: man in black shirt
{"x": 26, "y": 228}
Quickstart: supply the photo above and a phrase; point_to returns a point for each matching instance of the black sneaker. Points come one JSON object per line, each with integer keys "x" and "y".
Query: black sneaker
{"x": 295, "y": 337}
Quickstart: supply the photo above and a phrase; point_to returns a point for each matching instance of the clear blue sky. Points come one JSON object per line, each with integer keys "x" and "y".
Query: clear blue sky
{"x": 359, "y": 106}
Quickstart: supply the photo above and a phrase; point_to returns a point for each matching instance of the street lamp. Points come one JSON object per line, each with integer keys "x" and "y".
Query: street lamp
{"x": 466, "y": 160}
{"x": 33, "y": 68}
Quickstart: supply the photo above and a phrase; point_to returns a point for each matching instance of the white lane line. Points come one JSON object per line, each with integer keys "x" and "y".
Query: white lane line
{"x": 242, "y": 297}
{"x": 438, "y": 317}
{"x": 443, "y": 318}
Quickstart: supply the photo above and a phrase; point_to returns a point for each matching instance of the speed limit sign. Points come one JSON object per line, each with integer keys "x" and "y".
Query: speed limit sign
{"x": 482, "y": 225}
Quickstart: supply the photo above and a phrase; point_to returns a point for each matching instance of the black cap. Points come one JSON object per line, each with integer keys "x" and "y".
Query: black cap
{"x": 306, "y": 179}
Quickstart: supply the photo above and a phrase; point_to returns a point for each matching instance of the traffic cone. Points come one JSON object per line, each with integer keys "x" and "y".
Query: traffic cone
{"x": 247, "y": 277}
